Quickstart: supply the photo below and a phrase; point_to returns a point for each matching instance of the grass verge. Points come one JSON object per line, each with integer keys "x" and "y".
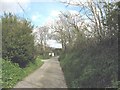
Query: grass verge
{"x": 12, "y": 73}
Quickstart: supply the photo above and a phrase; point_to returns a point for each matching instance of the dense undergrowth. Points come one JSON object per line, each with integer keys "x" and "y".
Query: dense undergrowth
{"x": 92, "y": 67}
{"x": 12, "y": 73}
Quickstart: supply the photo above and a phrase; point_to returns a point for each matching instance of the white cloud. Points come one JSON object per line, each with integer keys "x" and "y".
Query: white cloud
{"x": 36, "y": 17}
{"x": 13, "y": 1}
{"x": 54, "y": 43}
{"x": 43, "y": 0}
{"x": 48, "y": 20}
{"x": 13, "y": 6}
{"x": 54, "y": 13}
{"x": 52, "y": 16}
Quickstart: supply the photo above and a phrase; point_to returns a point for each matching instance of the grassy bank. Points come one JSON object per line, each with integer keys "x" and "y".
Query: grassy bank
{"x": 12, "y": 73}
{"x": 44, "y": 56}
{"x": 92, "y": 67}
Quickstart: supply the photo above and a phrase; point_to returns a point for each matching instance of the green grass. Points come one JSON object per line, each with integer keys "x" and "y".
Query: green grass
{"x": 12, "y": 73}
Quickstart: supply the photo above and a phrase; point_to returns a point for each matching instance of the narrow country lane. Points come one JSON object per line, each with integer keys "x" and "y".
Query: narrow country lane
{"x": 49, "y": 75}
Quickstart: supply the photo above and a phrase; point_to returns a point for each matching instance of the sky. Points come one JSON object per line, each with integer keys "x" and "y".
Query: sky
{"x": 39, "y": 12}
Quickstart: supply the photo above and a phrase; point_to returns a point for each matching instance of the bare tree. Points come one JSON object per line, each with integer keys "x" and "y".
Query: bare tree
{"x": 59, "y": 33}
{"x": 68, "y": 28}
{"x": 41, "y": 37}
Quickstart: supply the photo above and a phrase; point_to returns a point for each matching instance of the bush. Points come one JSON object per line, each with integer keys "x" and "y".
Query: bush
{"x": 12, "y": 73}
{"x": 91, "y": 67}
{"x": 17, "y": 40}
